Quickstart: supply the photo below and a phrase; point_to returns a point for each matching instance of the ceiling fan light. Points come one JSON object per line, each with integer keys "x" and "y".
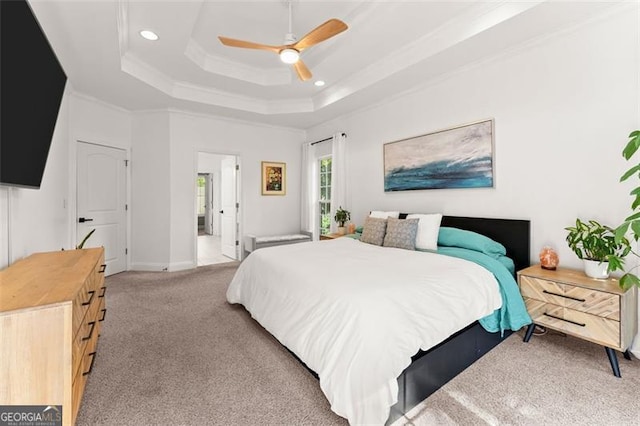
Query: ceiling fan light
{"x": 289, "y": 56}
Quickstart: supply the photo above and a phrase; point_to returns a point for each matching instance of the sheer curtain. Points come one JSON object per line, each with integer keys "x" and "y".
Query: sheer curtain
{"x": 309, "y": 208}
{"x": 338, "y": 176}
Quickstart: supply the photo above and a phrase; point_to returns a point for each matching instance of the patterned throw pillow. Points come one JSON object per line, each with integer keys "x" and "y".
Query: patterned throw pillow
{"x": 373, "y": 232}
{"x": 401, "y": 233}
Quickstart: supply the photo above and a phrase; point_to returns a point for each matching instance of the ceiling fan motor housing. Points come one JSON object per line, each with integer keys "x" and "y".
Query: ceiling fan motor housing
{"x": 289, "y": 38}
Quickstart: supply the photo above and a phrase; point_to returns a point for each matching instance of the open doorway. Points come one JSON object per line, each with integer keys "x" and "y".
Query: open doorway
{"x": 217, "y": 209}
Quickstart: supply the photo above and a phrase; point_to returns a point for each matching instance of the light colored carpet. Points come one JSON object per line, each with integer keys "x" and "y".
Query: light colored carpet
{"x": 552, "y": 380}
{"x": 173, "y": 351}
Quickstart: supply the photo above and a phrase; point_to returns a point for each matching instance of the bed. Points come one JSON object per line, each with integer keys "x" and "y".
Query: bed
{"x": 379, "y": 343}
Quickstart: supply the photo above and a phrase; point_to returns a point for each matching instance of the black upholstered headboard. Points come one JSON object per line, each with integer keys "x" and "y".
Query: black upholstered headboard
{"x": 513, "y": 234}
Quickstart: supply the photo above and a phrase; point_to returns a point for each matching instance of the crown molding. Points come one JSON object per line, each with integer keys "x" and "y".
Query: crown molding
{"x": 207, "y": 116}
{"x": 221, "y": 66}
{"x": 481, "y": 18}
{"x": 141, "y": 70}
{"x": 504, "y": 55}
{"x": 236, "y": 121}
{"x": 80, "y": 95}
{"x": 123, "y": 26}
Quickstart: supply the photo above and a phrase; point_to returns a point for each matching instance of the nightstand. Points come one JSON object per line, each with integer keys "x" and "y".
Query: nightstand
{"x": 567, "y": 300}
{"x": 331, "y": 236}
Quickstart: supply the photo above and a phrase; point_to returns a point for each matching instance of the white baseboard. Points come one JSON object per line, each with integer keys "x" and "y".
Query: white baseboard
{"x": 181, "y": 266}
{"x": 149, "y": 267}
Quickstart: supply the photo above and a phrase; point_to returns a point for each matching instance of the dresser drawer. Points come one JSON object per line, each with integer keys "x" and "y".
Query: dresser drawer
{"x": 81, "y": 376}
{"x": 81, "y": 303}
{"x": 587, "y": 300}
{"x": 87, "y": 332}
{"x": 586, "y": 326}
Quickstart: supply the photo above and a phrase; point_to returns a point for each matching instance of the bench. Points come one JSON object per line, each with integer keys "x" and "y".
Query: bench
{"x": 252, "y": 242}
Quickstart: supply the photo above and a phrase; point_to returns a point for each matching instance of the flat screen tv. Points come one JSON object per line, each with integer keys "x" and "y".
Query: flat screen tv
{"x": 31, "y": 88}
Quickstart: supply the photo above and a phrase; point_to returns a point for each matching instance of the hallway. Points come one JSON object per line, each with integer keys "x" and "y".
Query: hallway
{"x": 209, "y": 251}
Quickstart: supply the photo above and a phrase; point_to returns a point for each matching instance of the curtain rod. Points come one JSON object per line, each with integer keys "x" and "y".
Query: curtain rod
{"x": 325, "y": 139}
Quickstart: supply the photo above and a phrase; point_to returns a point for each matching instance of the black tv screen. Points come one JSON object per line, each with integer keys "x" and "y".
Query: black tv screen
{"x": 31, "y": 88}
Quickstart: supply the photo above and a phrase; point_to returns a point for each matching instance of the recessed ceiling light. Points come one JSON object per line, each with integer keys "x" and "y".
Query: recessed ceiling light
{"x": 149, "y": 35}
{"x": 319, "y": 83}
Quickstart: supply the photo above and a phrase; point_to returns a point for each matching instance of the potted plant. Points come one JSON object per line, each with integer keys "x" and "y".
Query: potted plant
{"x": 341, "y": 217}
{"x": 633, "y": 221}
{"x": 598, "y": 247}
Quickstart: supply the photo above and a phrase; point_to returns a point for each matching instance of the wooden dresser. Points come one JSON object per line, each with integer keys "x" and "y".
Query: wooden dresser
{"x": 595, "y": 310}
{"x": 51, "y": 309}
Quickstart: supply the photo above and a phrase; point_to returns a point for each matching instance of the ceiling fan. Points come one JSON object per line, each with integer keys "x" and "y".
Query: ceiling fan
{"x": 290, "y": 51}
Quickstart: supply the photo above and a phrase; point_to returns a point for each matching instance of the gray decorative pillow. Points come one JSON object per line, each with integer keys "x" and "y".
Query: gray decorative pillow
{"x": 401, "y": 233}
{"x": 373, "y": 232}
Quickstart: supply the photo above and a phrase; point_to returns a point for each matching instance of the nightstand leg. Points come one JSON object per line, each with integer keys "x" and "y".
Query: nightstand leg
{"x": 627, "y": 355}
{"x": 613, "y": 359}
{"x": 530, "y": 329}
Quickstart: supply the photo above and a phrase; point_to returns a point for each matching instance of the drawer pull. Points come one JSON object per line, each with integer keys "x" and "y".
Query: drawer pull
{"x": 93, "y": 358}
{"x": 91, "y": 293}
{"x": 566, "y": 297}
{"x": 103, "y": 268}
{"x": 104, "y": 314}
{"x": 104, "y": 290}
{"x": 566, "y": 320}
{"x": 93, "y": 325}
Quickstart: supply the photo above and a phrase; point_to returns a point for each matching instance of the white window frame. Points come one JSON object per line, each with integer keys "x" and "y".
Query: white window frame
{"x": 325, "y": 201}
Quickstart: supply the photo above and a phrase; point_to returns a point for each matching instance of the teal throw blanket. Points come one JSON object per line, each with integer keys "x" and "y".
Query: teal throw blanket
{"x": 512, "y": 315}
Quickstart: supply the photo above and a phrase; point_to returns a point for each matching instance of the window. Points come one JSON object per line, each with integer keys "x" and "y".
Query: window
{"x": 201, "y": 186}
{"x": 325, "y": 195}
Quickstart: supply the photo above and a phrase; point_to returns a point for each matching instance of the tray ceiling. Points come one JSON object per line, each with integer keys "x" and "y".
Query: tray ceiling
{"x": 389, "y": 48}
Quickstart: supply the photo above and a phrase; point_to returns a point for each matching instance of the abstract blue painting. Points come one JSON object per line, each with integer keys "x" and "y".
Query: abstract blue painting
{"x": 459, "y": 157}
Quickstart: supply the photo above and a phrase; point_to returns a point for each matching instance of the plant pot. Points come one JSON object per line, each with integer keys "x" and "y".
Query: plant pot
{"x": 341, "y": 230}
{"x": 596, "y": 269}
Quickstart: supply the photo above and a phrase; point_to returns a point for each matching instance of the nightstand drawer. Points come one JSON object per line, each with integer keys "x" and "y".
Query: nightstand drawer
{"x": 589, "y": 327}
{"x": 587, "y": 300}
{"x": 542, "y": 290}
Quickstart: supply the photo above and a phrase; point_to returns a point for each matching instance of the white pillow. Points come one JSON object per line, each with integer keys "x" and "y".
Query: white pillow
{"x": 428, "y": 228}
{"x": 384, "y": 215}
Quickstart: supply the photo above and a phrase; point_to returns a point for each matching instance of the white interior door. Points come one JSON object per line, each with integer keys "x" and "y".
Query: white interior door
{"x": 101, "y": 204}
{"x": 228, "y": 212}
{"x": 208, "y": 204}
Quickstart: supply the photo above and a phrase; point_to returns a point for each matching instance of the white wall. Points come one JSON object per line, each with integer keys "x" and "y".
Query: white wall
{"x": 150, "y": 192}
{"x": 563, "y": 109}
{"x": 252, "y": 143}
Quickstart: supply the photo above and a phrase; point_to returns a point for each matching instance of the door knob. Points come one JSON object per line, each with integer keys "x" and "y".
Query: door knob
{"x": 221, "y": 211}
{"x": 83, "y": 220}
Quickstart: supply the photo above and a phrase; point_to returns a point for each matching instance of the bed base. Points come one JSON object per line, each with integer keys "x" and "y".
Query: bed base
{"x": 431, "y": 370}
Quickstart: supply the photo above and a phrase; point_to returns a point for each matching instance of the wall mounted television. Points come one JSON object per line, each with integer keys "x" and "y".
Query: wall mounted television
{"x": 32, "y": 84}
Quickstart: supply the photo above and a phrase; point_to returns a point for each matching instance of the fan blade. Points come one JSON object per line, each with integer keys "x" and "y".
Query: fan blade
{"x": 303, "y": 72}
{"x": 232, "y": 42}
{"x": 327, "y": 30}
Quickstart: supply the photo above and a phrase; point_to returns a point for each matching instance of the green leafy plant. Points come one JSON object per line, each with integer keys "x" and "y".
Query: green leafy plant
{"x": 342, "y": 216}
{"x": 593, "y": 241}
{"x": 84, "y": 240}
{"x": 633, "y": 221}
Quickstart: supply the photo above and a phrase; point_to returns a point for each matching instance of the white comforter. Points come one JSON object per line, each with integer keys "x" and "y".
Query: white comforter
{"x": 355, "y": 313}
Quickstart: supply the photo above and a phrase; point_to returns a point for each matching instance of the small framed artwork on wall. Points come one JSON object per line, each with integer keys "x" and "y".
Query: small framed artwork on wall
{"x": 274, "y": 178}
